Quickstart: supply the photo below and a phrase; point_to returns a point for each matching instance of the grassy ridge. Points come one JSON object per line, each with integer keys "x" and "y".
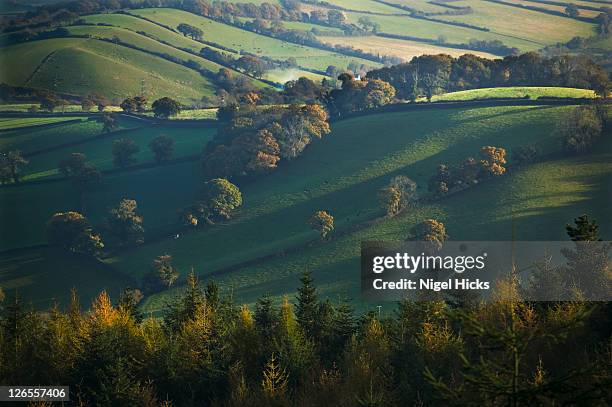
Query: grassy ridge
{"x": 82, "y": 66}
{"x": 516, "y": 92}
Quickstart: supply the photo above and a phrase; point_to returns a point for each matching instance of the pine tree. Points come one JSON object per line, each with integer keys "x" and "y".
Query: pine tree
{"x": 307, "y": 306}
{"x": 585, "y": 229}
{"x": 185, "y": 307}
{"x": 266, "y": 317}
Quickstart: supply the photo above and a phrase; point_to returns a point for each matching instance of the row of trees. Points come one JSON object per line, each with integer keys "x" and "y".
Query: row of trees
{"x": 448, "y": 179}
{"x": 431, "y": 74}
{"x": 72, "y": 232}
{"x": 312, "y": 352}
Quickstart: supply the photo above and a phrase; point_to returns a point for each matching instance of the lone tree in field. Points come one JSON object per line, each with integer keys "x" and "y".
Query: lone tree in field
{"x": 71, "y": 231}
{"x": 162, "y": 147}
{"x": 572, "y": 10}
{"x": 217, "y": 200}
{"x": 10, "y": 166}
{"x": 391, "y": 200}
{"x": 162, "y": 275}
{"x": 430, "y": 231}
{"x": 123, "y": 152}
{"x": 83, "y": 175}
{"x": 581, "y": 129}
{"x": 166, "y": 107}
{"x": 322, "y": 222}
{"x": 125, "y": 225}
{"x": 190, "y": 31}
{"x": 108, "y": 123}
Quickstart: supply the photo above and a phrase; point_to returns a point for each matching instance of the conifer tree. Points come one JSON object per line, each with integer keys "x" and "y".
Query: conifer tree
{"x": 307, "y": 307}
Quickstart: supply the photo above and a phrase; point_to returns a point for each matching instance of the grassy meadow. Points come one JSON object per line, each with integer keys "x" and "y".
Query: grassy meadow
{"x": 239, "y": 39}
{"x": 81, "y": 66}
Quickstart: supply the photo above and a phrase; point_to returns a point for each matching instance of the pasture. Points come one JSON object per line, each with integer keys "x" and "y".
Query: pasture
{"x": 534, "y": 26}
{"x": 239, "y": 39}
{"x": 533, "y": 203}
{"x": 533, "y": 92}
{"x": 328, "y": 176}
{"x": 400, "y": 48}
{"x": 81, "y": 66}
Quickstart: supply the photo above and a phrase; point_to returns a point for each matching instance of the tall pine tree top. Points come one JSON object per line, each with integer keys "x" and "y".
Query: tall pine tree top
{"x": 307, "y": 306}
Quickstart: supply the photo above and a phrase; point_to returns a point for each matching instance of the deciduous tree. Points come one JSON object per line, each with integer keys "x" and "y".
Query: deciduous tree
{"x": 72, "y": 232}
{"x": 322, "y": 222}
{"x": 123, "y": 152}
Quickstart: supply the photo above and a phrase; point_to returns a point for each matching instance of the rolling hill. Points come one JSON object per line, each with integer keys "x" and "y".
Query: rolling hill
{"x": 328, "y": 176}
{"x": 81, "y": 66}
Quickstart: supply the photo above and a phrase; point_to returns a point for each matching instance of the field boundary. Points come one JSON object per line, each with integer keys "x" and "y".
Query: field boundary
{"x": 41, "y": 126}
{"x": 81, "y": 141}
{"x": 542, "y": 10}
{"x": 404, "y": 107}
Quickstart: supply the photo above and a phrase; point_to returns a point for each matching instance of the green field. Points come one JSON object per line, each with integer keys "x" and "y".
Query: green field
{"x": 540, "y": 28}
{"x": 81, "y": 66}
{"x": 532, "y": 204}
{"x": 239, "y": 39}
{"x": 328, "y": 176}
{"x": 188, "y": 142}
{"x": 414, "y": 27}
{"x": 160, "y": 192}
{"x": 277, "y": 207}
{"x": 22, "y": 271}
{"x": 30, "y": 140}
{"x": 516, "y": 92}
{"x": 16, "y": 123}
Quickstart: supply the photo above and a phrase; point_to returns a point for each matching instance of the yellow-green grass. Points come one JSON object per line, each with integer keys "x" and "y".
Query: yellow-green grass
{"x": 414, "y": 27}
{"x": 188, "y": 142}
{"x": 25, "y": 107}
{"x": 400, "y": 48}
{"x": 516, "y": 92}
{"x": 7, "y": 123}
{"x": 151, "y": 29}
{"x": 29, "y": 140}
{"x": 342, "y": 174}
{"x": 43, "y": 276}
{"x": 366, "y": 5}
{"x": 298, "y": 25}
{"x": 239, "y": 39}
{"x": 539, "y": 28}
{"x": 421, "y": 5}
{"x": 142, "y": 42}
{"x": 534, "y": 203}
{"x": 81, "y": 66}
{"x": 560, "y": 9}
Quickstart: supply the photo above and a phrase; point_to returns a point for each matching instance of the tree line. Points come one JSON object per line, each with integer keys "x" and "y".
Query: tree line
{"x": 431, "y": 74}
